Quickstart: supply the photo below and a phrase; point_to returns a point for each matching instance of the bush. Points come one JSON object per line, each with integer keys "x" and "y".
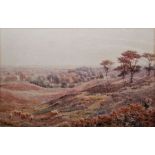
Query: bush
{"x": 134, "y": 115}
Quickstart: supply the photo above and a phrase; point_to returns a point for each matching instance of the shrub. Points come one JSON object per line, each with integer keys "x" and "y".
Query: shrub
{"x": 133, "y": 115}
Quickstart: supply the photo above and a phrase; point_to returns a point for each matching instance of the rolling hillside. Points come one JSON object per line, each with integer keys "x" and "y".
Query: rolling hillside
{"x": 64, "y": 107}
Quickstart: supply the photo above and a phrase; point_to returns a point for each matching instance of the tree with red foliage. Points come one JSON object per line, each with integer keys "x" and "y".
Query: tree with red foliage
{"x": 131, "y": 60}
{"x": 150, "y": 58}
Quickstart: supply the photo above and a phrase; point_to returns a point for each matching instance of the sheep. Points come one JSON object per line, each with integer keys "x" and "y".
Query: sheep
{"x": 23, "y": 116}
{"x": 20, "y": 115}
{"x": 31, "y": 117}
{"x": 11, "y": 116}
{"x": 17, "y": 113}
{"x": 14, "y": 113}
{"x": 27, "y": 116}
{"x": 54, "y": 112}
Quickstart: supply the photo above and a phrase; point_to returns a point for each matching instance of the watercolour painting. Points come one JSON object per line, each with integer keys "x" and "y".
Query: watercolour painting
{"x": 77, "y": 77}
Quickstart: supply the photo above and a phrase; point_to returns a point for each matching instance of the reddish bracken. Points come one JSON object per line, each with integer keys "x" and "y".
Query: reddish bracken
{"x": 133, "y": 115}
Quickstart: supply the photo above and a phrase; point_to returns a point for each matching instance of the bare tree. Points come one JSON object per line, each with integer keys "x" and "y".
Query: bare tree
{"x": 123, "y": 67}
{"x": 107, "y": 66}
{"x": 150, "y": 58}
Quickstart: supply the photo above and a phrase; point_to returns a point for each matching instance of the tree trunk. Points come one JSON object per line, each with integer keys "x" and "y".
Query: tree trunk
{"x": 106, "y": 74}
{"x": 123, "y": 76}
{"x": 149, "y": 70}
{"x": 131, "y": 78}
{"x": 148, "y": 73}
{"x": 124, "y": 81}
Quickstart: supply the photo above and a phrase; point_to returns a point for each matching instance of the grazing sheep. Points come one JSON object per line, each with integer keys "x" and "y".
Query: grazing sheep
{"x": 11, "y": 116}
{"x": 14, "y": 113}
{"x": 17, "y": 113}
{"x": 54, "y": 112}
{"x": 27, "y": 115}
{"x": 31, "y": 117}
{"x": 23, "y": 116}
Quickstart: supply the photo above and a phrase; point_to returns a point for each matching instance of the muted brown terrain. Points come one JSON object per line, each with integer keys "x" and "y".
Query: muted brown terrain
{"x": 94, "y": 102}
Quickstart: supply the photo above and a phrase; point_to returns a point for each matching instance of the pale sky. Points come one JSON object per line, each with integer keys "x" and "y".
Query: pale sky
{"x": 70, "y": 47}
